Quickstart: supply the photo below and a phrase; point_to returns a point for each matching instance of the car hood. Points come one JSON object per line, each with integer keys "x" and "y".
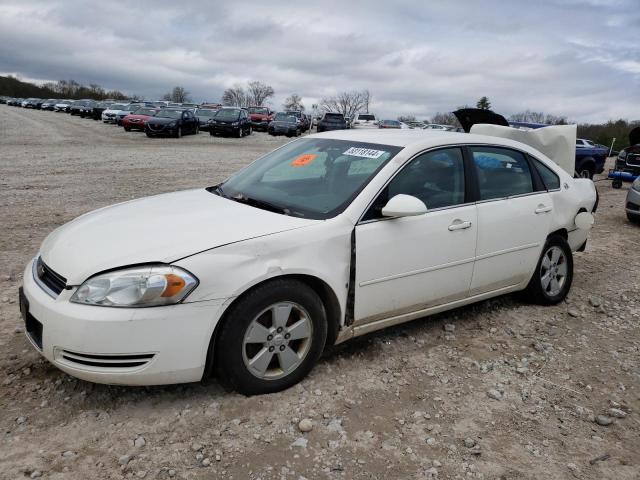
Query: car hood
{"x": 161, "y": 120}
{"x": 162, "y": 228}
{"x": 138, "y": 117}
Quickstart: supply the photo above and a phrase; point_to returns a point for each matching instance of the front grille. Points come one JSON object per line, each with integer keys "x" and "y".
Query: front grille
{"x": 52, "y": 280}
{"x": 119, "y": 361}
{"x": 633, "y": 160}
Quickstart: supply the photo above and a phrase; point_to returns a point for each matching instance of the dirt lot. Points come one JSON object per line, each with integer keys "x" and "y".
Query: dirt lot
{"x": 413, "y": 401}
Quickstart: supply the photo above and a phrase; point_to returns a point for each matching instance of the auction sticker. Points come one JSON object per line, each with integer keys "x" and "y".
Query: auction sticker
{"x": 303, "y": 160}
{"x": 364, "y": 152}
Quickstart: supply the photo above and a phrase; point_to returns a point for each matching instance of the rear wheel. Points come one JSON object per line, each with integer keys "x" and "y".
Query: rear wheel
{"x": 586, "y": 171}
{"x": 272, "y": 337}
{"x": 552, "y": 278}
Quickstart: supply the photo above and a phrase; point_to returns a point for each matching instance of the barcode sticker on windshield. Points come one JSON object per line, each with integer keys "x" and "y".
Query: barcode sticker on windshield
{"x": 364, "y": 152}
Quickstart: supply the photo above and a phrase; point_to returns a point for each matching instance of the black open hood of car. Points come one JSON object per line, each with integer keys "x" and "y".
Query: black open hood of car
{"x": 468, "y": 117}
{"x": 634, "y": 136}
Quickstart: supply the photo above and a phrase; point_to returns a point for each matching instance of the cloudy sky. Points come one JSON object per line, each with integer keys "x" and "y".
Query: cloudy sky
{"x": 578, "y": 58}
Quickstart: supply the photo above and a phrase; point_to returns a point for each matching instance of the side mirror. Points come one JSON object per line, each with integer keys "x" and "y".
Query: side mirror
{"x": 404, "y": 206}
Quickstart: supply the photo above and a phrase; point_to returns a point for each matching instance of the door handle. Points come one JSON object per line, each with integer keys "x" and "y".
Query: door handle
{"x": 459, "y": 225}
{"x": 543, "y": 209}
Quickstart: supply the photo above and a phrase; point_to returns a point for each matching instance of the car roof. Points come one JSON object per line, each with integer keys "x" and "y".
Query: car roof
{"x": 419, "y": 138}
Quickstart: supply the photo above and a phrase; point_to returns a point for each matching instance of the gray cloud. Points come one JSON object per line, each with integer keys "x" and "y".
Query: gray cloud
{"x": 579, "y": 58}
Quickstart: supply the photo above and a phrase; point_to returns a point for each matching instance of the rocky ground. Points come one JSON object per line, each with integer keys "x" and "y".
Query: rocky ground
{"x": 498, "y": 390}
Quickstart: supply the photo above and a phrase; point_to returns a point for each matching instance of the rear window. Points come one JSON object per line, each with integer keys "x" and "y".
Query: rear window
{"x": 550, "y": 179}
{"x": 334, "y": 116}
{"x": 501, "y": 172}
{"x": 366, "y": 117}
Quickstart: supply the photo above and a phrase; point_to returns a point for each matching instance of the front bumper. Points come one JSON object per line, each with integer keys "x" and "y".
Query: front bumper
{"x": 160, "y": 129}
{"x": 224, "y": 129}
{"x": 260, "y": 124}
{"x": 122, "y": 346}
{"x": 632, "y": 203}
{"x": 109, "y": 117}
{"x": 134, "y": 125}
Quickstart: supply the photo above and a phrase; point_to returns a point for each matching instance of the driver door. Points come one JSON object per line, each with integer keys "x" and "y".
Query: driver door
{"x": 411, "y": 263}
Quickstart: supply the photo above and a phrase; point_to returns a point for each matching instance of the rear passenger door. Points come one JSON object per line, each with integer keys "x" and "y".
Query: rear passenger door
{"x": 514, "y": 217}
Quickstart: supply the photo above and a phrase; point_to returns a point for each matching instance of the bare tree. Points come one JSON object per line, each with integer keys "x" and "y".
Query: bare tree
{"x": 407, "y": 118}
{"x": 258, "y": 92}
{"x": 234, "y": 97}
{"x": 538, "y": 117}
{"x": 445, "y": 119}
{"x": 366, "y": 99}
{"x": 293, "y": 102}
{"x": 346, "y": 103}
{"x": 178, "y": 95}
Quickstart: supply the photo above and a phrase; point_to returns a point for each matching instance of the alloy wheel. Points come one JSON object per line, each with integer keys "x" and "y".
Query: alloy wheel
{"x": 553, "y": 271}
{"x": 277, "y": 341}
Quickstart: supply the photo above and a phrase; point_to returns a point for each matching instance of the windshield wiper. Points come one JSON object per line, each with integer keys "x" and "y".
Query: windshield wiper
{"x": 217, "y": 189}
{"x": 254, "y": 202}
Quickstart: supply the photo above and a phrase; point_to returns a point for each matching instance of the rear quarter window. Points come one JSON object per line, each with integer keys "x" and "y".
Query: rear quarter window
{"x": 549, "y": 177}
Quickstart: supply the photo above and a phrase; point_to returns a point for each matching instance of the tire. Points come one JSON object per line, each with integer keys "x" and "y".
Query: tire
{"x": 211, "y": 133}
{"x": 587, "y": 170}
{"x": 127, "y": 129}
{"x": 197, "y": 130}
{"x": 556, "y": 252}
{"x": 633, "y": 218}
{"x": 240, "y": 133}
{"x": 250, "y": 130}
{"x": 148, "y": 134}
{"x": 298, "y": 133}
{"x": 179, "y": 132}
{"x": 235, "y": 352}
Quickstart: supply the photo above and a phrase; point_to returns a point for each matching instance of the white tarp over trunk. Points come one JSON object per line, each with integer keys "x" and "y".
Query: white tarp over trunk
{"x": 558, "y": 142}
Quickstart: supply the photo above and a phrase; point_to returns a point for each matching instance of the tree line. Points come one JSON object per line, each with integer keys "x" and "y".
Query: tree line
{"x": 14, "y": 87}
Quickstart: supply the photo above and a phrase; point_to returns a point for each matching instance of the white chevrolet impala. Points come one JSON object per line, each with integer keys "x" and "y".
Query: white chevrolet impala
{"x": 324, "y": 239}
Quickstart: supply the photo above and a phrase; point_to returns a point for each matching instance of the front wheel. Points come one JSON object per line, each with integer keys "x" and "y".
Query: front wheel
{"x": 272, "y": 337}
{"x": 240, "y": 132}
{"x": 179, "y": 132}
{"x": 552, "y": 278}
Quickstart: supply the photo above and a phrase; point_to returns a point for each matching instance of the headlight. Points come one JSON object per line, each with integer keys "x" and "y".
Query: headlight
{"x": 636, "y": 184}
{"x": 235, "y": 124}
{"x": 148, "y": 286}
{"x": 172, "y": 124}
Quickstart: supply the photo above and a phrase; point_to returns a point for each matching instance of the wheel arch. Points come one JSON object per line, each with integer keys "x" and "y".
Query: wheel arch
{"x": 325, "y": 292}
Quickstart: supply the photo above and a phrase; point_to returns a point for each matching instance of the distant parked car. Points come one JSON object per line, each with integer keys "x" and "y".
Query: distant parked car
{"x": 49, "y": 104}
{"x": 284, "y": 124}
{"x": 437, "y": 126}
{"x": 31, "y": 103}
{"x": 389, "y": 124}
{"x": 331, "y": 121}
{"x": 138, "y": 119}
{"x": 629, "y": 158}
{"x": 62, "y": 105}
{"x": 365, "y": 120}
{"x": 174, "y": 122}
{"x": 305, "y": 123}
{"x": 127, "y": 110}
{"x": 86, "y": 110}
{"x": 109, "y": 114}
{"x": 230, "y": 121}
{"x": 347, "y": 121}
{"x": 78, "y": 107}
{"x": 583, "y": 142}
{"x": 260, "y": 117}
{"x": 204, "y": 115}
{"x": 632, "y": 203}
{"x": 98, "y": 108}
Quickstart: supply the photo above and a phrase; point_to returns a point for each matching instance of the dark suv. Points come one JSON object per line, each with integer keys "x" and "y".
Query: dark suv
{"x": 305, "y": 124}
{"x": 629, "y": 158}
{"x": 230, "y": 121}
{"x": 332, "y": 121}
{"x": 174, "y": 122}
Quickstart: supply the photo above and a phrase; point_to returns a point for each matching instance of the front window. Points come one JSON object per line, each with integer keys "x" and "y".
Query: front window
{"x": 501, "y": 173}
{"x": 146, "y": 111}
{"x": 204, "y": 113}
{"x": 310, "y": 178}
{"x": 228, "y": 114}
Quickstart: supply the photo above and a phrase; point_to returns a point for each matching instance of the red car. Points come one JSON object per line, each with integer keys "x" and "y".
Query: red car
{"x": 138, "y": 119}
{"x": 260, "y": 117}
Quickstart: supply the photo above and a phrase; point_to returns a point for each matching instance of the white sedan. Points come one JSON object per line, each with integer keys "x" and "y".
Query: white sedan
{"x": 324, "y": 239}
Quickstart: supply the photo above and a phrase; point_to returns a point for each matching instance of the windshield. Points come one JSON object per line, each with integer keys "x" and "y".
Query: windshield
{"x": 166, "y": 113}
{"x": 205, "y": 113}
{"x": 146, "y": 111}
{"x": 260, "y": 110}
{"x": 313, "y": 178}
{"x": 284, "y": 117}
{"x": 228, "y": 114}
{"x": 333, "y": 116}
{"x": 366, "y": 117}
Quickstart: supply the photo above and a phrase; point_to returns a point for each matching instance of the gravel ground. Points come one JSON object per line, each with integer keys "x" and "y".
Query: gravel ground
{"x": 498, "y": 390}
